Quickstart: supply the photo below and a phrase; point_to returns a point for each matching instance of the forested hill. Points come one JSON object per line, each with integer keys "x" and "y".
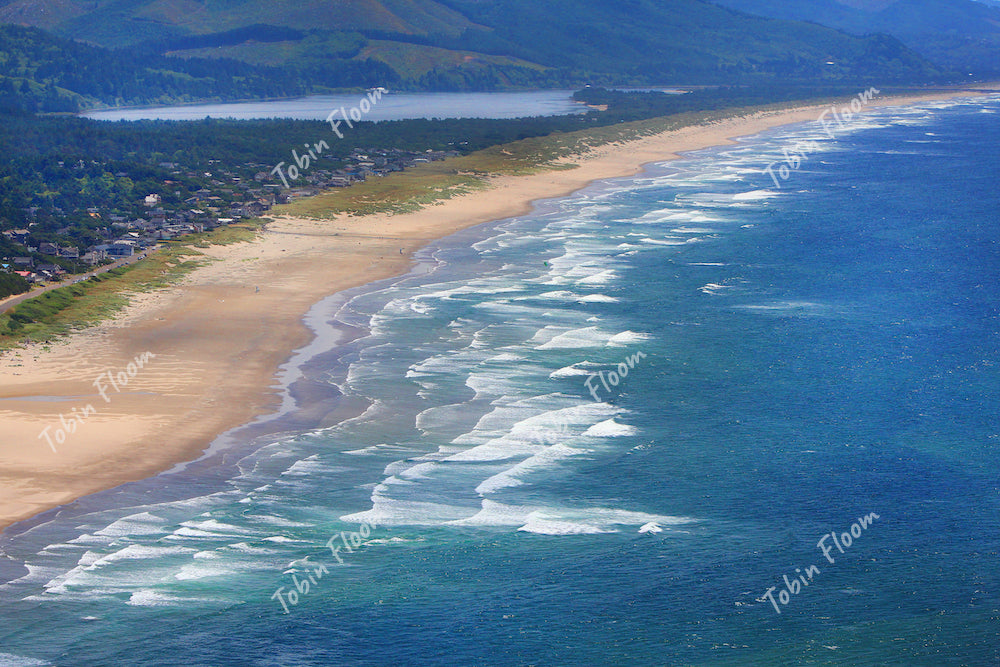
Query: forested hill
{"x": 40, "y": 72}
{"x": 954, "y": 34}
{"x": 174, "y": 50}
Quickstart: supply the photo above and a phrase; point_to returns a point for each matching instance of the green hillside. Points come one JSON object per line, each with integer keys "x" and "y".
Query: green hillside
{"x": 474, "y": 45}
{"x": 40, "y": 72}
{"x": 127, "y": 22}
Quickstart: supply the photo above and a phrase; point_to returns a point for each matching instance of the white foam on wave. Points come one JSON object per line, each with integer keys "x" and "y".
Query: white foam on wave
{"x": 140, "y": 552}
{"x": 567, "y": 296}
{"x": 555, "y": 295}
{"x": 496, "y": 514}
{"x": 142, "y": 523}
{"x": 668, "y": 241}
{"x": 569, "y": 371}
{"x": 197, "y": 571}
{"x": 543, "y": 526}
{"x": 149, "y": 598}
{"x": 565, "y": 520}
{"x": 576, "y": 338}
{"x": 123, "y": 570}
{"x": 505, "y": 357}
{"x": 364, "y": 451}
{"x": 665, "y": 215}
{"x": 494, "y": 383}
{"x": 378, "y": 449}
{"x": 755, "y": 195}
{"x": 626, "y": 338}
{"x": 505, "y": 307}
{"x": 713, "y": 288}
{"x": 609, "y": 428}
{"x": 245, "y": 548}
{"x": 913, "y": 122}
{"x": 512, "y": 476}
{"x": 393, "y": 512}
{"x": 11, "y": 660}
{"x": 279, "y": 521}
{"x": 311, "y": 467}
{"x": 601, "y": 278}
{"x": 213, "y": 528}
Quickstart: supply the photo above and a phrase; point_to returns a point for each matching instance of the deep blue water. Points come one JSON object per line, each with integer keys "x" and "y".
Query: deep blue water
{"x": 802, "y": 356}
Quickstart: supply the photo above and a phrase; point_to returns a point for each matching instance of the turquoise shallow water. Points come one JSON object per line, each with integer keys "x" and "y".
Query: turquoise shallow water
{"x": 789, "y": 360}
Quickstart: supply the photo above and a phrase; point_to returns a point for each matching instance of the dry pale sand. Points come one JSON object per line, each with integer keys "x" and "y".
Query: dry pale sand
{"x": 218, "y": 342}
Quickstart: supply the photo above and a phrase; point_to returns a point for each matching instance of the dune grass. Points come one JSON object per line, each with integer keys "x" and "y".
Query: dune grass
{"x": 60, "y": 311}
{"x": 427, "y": 184}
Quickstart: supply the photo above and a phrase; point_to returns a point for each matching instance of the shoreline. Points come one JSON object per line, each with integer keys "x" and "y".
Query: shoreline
{"x": 212, "y": 345}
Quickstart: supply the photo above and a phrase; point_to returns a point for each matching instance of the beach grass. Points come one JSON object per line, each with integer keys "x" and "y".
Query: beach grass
{"x": 426, "y": 184}
{"x": 60, "y": 311}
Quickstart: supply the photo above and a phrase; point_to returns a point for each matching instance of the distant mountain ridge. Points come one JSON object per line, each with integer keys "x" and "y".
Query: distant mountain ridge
{"x": 126, "y": 22}
{"x": 297, "y": 46}
{"x": 963, "y": 35}
{"x": 461, "y": 44}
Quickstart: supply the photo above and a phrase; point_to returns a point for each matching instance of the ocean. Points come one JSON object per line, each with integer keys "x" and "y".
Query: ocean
{"x": 707, "y": 415}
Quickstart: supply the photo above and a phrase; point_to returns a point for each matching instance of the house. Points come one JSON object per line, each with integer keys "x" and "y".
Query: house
{"x": 48, "y": 248}
{"x": 24, "y": 263}
{"x": 50, "y": 271}
{"x": 95, "y": 255}
{"x": 18, "y": 235}
{"x": 122, "y": 248}
{"x": 69, "y": 253}
{"x": 253, "y": 209}
{"x": 152, "y": 200}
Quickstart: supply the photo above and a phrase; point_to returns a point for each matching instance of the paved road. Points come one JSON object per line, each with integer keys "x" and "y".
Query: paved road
{"x": 11, "y": 301}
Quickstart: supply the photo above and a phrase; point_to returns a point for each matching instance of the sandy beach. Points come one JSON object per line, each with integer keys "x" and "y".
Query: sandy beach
{"x": 131, "y": 397}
